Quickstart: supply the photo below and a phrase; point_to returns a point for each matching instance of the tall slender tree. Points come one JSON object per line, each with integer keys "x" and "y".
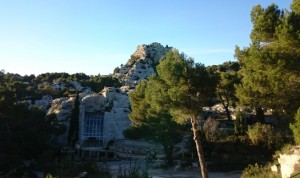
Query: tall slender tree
{"x": 184, "y": 88}
{"x": 150, "y": 113}
{"x": 188, "y": 86}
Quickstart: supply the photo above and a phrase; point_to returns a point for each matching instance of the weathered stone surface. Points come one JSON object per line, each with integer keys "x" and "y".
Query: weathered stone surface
{"x": 142, "y": 63}
{"x": 290, "y": 163}
{"x": 112, "y": 105}
{"x": 62, "y": 107}
{"x": 115, "y": 106}
{"x": 274, "y": 168}
{"x": 93, "y": 103}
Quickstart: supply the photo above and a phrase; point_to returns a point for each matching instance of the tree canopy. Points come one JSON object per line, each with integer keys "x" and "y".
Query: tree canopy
{"x": 180, "y": 91}
{"x": 150, "y": 115}
{"x": 270, "y": 66}
{"x": 187, "y": 83}
{"x": 226, "y": 77}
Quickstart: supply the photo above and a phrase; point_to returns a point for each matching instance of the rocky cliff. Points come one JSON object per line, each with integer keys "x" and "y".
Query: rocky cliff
{"x": 111, "y": 106}
{"x": 142, "y": 63}
{"x": 115, "y": 108}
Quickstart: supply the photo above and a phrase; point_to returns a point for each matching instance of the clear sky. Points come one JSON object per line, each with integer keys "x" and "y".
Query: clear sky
{"x": 95, "y": 36}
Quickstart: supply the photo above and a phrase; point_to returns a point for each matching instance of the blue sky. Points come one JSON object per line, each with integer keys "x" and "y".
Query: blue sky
{"x": 95, "y": 36}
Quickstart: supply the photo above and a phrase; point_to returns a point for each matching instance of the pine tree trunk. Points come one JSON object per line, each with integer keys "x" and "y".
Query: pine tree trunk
{"x": 228, "y": 113}
{"x": 200, "y": 153}
{"x": 226, "y": 107}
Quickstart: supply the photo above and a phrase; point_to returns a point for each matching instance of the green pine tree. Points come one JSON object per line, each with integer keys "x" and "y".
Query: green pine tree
{"x": 295, "y": 127}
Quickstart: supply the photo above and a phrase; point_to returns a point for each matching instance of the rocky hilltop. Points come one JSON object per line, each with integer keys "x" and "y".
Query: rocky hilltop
{"x": 142, "y": 63}
{"x": 104, "y": 115}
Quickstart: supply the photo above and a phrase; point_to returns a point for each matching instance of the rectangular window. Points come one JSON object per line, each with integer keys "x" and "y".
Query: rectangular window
{"x": 93, "y": 125}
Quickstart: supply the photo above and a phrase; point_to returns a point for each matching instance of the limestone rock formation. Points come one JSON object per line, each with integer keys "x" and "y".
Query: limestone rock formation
{"x": 106, "y": 114}
{"x": 62, "y": 107}
{"x": 289, "y": 163}
{"x": 93, "y": 103}
{"x": 142, "y": 63}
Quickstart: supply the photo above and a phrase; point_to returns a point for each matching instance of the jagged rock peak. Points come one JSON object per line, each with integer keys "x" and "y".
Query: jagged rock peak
{"x": 142, "y": 63}
{"x": 152, "y": 52}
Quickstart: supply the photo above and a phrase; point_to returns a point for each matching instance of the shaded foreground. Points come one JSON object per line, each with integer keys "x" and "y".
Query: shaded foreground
{"x": 173, "y": 172}
{"x": 190, "y": 173}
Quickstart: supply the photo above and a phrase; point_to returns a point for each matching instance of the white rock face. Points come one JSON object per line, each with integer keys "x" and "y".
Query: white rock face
{"x": 126, "y": 89}
{"x": 274, "y": 168}
{"x": 154, "y": 52}
{"x": 116, "y": 120}
{"x": 114, "y": 106}
{"x": 62, "y": 107}
{"x": 141, "y": 64}
{"x": 289, "y": 163}
{"x": 93, "y": 103}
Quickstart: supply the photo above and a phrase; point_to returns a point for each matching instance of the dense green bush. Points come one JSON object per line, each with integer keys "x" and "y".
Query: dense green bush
{"x": 295, "y": 127}
{"x": 254, "y": 171}
{"x": 264, "y": 135}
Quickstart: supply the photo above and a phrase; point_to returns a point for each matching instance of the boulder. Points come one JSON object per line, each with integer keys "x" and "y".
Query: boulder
{"x": 92, "y": 103}
{"x": 290, "y": 163}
